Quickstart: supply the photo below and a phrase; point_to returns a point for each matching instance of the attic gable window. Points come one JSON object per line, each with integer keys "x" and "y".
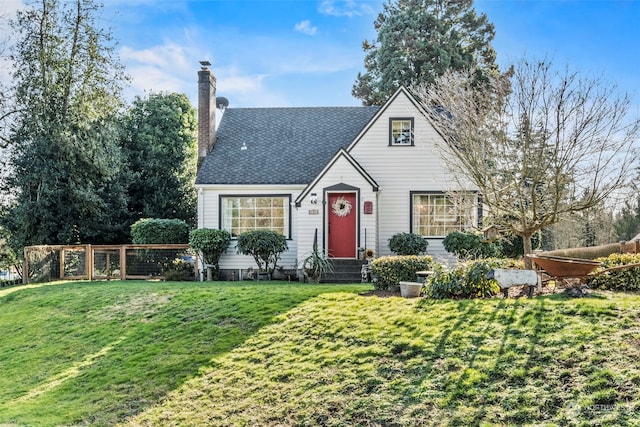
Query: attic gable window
{"x": 255, "y": 212}
{"x": 401, "y": 131}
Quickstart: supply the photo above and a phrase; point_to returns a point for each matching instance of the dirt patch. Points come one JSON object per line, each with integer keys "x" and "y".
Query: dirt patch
{"x": 380, "y": 294}
{"x": 140, "y": 305}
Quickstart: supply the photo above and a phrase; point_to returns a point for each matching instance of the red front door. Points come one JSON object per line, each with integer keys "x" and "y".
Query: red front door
{"x": 343, "y": 210}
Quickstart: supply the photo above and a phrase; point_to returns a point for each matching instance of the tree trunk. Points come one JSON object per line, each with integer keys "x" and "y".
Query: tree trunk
{"x": 528, "y": 249}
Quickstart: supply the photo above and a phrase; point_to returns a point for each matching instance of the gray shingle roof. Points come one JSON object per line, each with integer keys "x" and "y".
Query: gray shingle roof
{"x": 283, "y": 145}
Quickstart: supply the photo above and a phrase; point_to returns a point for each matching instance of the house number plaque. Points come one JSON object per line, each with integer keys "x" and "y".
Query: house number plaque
{"x": 314, "y": 211}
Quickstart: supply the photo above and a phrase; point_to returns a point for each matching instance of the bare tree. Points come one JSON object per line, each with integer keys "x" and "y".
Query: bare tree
{"x": 539, "y": 144}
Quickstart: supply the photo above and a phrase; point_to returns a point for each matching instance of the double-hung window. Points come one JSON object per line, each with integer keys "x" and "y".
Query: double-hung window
{"x": 438, "y": 214}
{"x": 401, "y": 131}
{"x": 257, "y": 212}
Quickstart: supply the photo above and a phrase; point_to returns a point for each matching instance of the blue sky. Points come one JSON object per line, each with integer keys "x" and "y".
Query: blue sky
{"x": 308, "y": 52}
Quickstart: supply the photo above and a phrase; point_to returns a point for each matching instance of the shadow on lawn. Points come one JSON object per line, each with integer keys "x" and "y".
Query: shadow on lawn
{"x": 165, "y": 334}
{"x": 515, "y": 361}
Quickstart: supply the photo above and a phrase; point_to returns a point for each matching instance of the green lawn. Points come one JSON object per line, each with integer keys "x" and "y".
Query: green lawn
{"x": 267, "y": 354}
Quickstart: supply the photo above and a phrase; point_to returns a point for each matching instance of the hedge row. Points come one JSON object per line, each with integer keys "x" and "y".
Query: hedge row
{"x": 389, "y": 271}
{"x": 626, "y": 279}
{"x": 468, "y": 279}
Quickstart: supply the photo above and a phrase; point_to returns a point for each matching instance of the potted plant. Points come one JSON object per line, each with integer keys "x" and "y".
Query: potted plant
{"x": 317, "y": 263}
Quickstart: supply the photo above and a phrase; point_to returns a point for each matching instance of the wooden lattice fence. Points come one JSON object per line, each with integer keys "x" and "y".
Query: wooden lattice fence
{"x": 89, "y": 262}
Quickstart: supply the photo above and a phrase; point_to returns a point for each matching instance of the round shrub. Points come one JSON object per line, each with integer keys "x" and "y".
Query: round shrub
{"x": 470, "y": 245}
{"x": 407, "y": 244}
{"x": 626, "y": 279}
{"x": 264, "y": 246}
{"x": 468, "y": 279}
{"x": 211, "y": 243}
{"x": 389, "y": 271}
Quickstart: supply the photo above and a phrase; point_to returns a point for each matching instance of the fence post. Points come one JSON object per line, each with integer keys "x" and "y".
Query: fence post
{"x": 25, "y": 268}
{"x": 88, "y": 262}
{"x": 61, "y": 263}
{"x": 123, "y": 262}
{"x": 622, "y": 242}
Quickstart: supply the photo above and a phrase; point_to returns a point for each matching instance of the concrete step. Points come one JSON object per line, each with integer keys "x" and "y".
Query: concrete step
{"x": 345, "y": 271}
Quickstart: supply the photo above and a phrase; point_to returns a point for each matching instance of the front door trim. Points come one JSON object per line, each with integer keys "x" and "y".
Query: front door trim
{"x": 342, "y": 188}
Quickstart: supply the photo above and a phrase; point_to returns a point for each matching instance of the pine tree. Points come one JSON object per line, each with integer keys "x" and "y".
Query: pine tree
{"x": 419, "y": 40}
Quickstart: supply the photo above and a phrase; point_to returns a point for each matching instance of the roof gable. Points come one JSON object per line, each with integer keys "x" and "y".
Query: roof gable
{"x": 342, "y": 153}
{"x": 401, "y": 91}
{"x": 280, "y": 145}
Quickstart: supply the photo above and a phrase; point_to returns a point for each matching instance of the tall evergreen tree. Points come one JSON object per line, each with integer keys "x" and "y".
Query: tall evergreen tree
{"x": 627, "y": 222}
{"x": 419, "y": 40}
{"x": 65, "y": 179}
{"x": 160, "y": 148}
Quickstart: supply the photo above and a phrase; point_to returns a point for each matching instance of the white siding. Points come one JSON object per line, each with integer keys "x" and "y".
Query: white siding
{"x": 341, "y": 172}
{"x": 402, "y": 169}
{"x": 209, "y": 217}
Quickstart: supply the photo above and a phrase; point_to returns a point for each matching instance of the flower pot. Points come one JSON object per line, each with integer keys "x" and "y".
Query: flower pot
{"x": 410, "y": 289}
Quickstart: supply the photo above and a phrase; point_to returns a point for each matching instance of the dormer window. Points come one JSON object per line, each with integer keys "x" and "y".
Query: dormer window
{"x": 401, "y": 131}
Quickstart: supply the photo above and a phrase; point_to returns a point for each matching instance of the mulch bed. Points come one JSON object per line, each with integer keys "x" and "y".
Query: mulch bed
{"x": 514, "y": 292}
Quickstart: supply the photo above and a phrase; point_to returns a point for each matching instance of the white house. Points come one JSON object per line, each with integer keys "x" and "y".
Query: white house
{"x": 358, "y": 175}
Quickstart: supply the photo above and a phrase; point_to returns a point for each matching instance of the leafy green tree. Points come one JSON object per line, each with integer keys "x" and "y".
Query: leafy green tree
{"x": 64, "y": 185}
{"x": 419, "y": 40}
{"x": 161, "y": 153}
{"x": 627, "y": 222}
{"x": 8, "y": 258}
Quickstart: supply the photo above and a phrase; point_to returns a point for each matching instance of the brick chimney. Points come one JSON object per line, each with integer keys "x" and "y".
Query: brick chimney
{"x": 206, "y": 111}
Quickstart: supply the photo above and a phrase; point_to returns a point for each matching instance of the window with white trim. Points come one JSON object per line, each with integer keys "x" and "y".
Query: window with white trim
{"x": 246, "y": 213}
{"x": 438, "y": 214}
{"x": 401, "y": 131}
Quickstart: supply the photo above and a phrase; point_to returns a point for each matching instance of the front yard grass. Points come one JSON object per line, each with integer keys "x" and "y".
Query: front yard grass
{"x": 256, "y": 354}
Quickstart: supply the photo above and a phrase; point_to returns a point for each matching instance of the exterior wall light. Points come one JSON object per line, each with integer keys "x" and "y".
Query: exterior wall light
{"x": 314, "y": 199}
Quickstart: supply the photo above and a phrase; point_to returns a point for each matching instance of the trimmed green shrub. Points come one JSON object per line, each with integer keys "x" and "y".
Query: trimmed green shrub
{"x": 471, "y": 245}
{"x": 264, "y": 246}
{"x": 627, "y": 279}
{"x": 407, "y": 244}
{"x": 159, "y": 231}
{"x": 468, "y": 279}
{"x": 389, "y": 271}
{"x": 211, "y": 243}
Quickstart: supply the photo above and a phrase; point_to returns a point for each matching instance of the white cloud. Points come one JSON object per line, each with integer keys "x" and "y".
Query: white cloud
{"x": 305, "y": 27}
{"x": 8, "y": 8}
{"x": 349, "y": 8}
{"x": 172, "y": 68}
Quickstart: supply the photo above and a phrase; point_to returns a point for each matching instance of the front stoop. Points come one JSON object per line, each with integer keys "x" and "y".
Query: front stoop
{"x": 345, "y": 271}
